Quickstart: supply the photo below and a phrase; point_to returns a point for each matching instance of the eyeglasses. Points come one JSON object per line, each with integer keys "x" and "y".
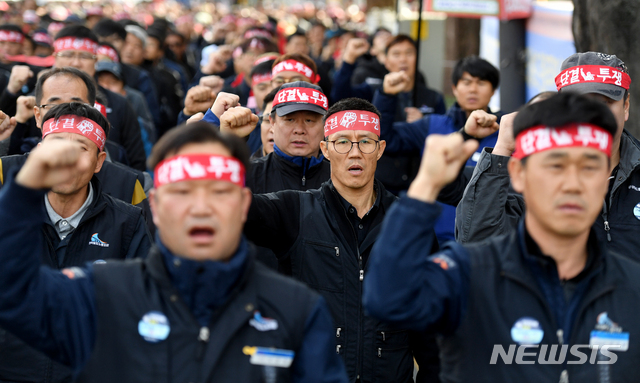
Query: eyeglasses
{"x": 278, "y": 81}
{"x": 80, "y": 55}
{"x": 46, "y": 106}
{"x": 344, "y": 146}
{"x": 264, "y": 118}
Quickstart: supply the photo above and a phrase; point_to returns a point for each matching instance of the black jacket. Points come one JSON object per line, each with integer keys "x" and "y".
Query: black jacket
{"x": 117, "y": 180}
{"x": 369, "y": 70}
{"x": 274, "y": 173}
{"x": 124, "y": 128}
{"x": 315, "y": 242}
{"x": 121, "y": 233}
{"x": 499, "y": 294}
{"x": 489, "y": 207}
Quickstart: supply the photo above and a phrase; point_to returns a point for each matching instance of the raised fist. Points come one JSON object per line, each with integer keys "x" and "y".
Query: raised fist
{"x": 395, "y": 82}
{"x": 239, "y": 121}
{"x": 356, "y": 47}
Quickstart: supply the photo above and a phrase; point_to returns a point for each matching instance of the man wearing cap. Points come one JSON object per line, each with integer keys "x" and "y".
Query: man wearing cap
{"x": 81, "y": 224}
{"x": 599, "y": 76}
{"x": 547, "y": 302}
{"x": 109, "y": 76}
{"x": 323, "y": 238}
{"x": 198, "y": 308}
{"x": 76, "y": 46}
{"x": 296, "y": 116}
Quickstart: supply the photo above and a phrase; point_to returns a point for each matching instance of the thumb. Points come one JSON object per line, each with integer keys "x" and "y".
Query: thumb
{"x": 468, "y": 148}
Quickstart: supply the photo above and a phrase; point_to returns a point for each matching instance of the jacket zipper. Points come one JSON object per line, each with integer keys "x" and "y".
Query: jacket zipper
{"x": 605, "y": 217}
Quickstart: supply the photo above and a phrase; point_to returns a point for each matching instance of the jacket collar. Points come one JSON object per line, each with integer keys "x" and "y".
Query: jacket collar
{"x": 99, "y": 202}
{"x": 629, "y": 157}
{"x": 302, "y": 162}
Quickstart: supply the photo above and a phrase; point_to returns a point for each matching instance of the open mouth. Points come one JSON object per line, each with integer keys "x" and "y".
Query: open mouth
{"x": 201, "y": 234}
{"x": 355, "y": 169}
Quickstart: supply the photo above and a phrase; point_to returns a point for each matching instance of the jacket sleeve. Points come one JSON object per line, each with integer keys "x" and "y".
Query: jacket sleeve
{"x": 317, "y": 360}
{"x": 132, "y": 139}
{"x": 453, "y": 192}
{"x": 487, "y": 207}
{"x": 211, "y": 118}
{"x": 401, "y": 137}
{"x": 407, "y": 285}
{"x": 342, "y": 87}
{"x": 274, "y": 220}
{"x": 53, "y": 313}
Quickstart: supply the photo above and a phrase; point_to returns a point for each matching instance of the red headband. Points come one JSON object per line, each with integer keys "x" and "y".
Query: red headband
{"x": 75, "y": 43}
{"x": 540, "y": 138}
{"x": 352, "y": 120}
{"x": 101, "y": 108}
{"x": 109, "y": 52}
{"x": 11, "y": 36}
{"x": 301, "y": 95}
{"x": 295, "y": 66}
{"x": 264, "y": 59}
{"x": 76, "y": 124}
{"x": 199, "y": 167}
{"x": 41, "y": 37}
{"x": 259, "y": 78}
{"x": 593, "y": 73}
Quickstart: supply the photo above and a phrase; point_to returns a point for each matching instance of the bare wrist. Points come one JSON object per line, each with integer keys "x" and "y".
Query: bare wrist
{"x": 500, "y": 150}
{"x": 423, "y": 191}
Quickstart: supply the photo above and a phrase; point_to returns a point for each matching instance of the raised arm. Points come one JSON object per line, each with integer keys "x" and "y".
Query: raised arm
{"x": 342, "y": 87}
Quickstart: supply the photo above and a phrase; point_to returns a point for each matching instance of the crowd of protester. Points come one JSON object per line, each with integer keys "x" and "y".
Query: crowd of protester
{"x": 276, "y": 194}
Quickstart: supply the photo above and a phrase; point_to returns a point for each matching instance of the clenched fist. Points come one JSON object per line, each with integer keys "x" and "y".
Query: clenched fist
{"x": 7, "y": 125}
{"x": 395, "y": 82}
{"x": 481, "y": 124}
{"x": 356, "y": 47}
{"x": 239, "y": 121}
{"x": 20, "y": 74}
{"x": 198, "y": 99}
{"x": 51, "y": 163}
{"x": 224, "y": 102}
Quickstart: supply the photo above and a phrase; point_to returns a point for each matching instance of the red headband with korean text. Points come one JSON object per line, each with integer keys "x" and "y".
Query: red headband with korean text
{"x": 260, "y": 78}
{"x": 41, "y": 37}
{"x": 593, "y": 73}
{"x": 11, "y": 36}
{"x": 295, "y": 66}
{"x": 75, "y": 43}
{"x": 190, "y": 167}
{"x": 301, "y": 95}
{"x": 541, "y": 138}
{"x": 76, "y": 124}
{"x": 352, "y": 120}
{"x": 109, "y": 52}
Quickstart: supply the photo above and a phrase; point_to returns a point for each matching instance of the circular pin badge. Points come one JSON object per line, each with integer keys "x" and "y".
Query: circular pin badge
{"x": 527, "y": 331}
{"x": 154, "y": 326}
{"x": 636, "y": 211}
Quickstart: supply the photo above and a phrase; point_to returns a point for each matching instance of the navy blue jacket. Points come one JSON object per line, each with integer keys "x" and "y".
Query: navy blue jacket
{"x": 402, "y": 137}
{"x": 254, "y": 142}
{"x": 476, "y": 295}
{"x": 57, "y": 313}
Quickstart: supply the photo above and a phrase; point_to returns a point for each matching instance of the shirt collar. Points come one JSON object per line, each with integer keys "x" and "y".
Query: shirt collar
{"x": 74, "y": 220}
{"x": 347, "y": 206}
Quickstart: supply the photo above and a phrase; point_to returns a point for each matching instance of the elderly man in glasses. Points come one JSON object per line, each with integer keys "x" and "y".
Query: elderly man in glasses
{"x": 323, "y": 237}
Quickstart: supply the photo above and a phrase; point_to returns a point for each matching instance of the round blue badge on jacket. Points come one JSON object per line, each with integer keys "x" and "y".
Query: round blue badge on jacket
{"x": 154, "y": 326}
{"x": 636, "y": 211}
{"x": 527, "y": 331}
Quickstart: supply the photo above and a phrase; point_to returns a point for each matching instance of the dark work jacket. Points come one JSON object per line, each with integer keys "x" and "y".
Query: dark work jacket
{"x": 117, "y": 180}
{"x": 123, "y": 234}
{"x": 315, "y": 242}
{"x": 274, "y": 173}
{"x": 124, "y": 128}
{"x": 93, "y": 318}
{"x": 140, "y": 80}
{"x": 474, "y": 295}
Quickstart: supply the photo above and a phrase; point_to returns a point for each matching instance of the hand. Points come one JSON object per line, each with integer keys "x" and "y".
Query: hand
{"x": 481, "y": 124}
{"x": 225, "y": 52}
{"x": 441, "y": 162}
{"x": 24, "y": 108}
{"x": 506, "y": 143}
{"x": 7, "y": 125}
{"x": 195, "y": 118}
{"x": 51, "y": 163}
{"x": 198, "y": 99}
{"x": 413, "y": 114}
{"x": 239, "y": 121}
{"x": 356, "y": 47}
{"x": 224, "y": 102}
{"x": 217, "y": 62}
{"x": 214, "y": 82}
{"x": 20, "y": 74}
{"x": 395, "y": 82}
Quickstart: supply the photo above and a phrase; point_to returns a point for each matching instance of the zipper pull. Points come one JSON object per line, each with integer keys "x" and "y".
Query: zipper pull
{"x": 338, "y": 347}
{"x": 204, "y": 334}
{"x": 337, "y": 251}
{"x": 304, "y": 180}
{"x": 361, "y": 275}
{"x": 338, "y": 332}
{"x": 607, "y": 228}
{"x": 379, "y": 352}
{"x": 564, "y": 376}
{"x": 560, "y": 334}
{"x": 384, "y": 339}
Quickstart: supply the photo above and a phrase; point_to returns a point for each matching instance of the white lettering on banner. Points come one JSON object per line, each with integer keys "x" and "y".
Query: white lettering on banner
{"x": 302, "y": 96}
{"x": 85, "y": 127}
{"x": 67, "y": 123}
{"x": 586, "y": 76}
{"x": 604, "y": 74}
{"x": 193, "y": 169}
{"x": 574, "y": 75}
{"x": 564, "y": 78}
{"x": 557, "y": 354}
{"x": 348, "y": 119}
{"x": 332, "y": 123}
{"x": 561, "y": 137}
{"x": 618, "y": 76}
